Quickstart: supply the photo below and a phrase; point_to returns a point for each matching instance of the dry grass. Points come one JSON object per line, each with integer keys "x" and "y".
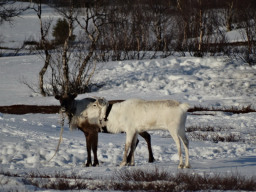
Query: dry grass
{"x": 234, "y": 110}
{"x": 163, "y": 181}
{"x": 142, "y": 180}
{"x": 214, "y": 134}
{"x": 207, "y": 128}
{"x": 216, "y": 137}
{"x": 57, "y": 181}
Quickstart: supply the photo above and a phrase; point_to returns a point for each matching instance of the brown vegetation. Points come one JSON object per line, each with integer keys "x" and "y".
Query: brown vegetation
{"x": 235, "y": 110}
{"x": 24, "y": 109}
{"x": 142, "y": 180}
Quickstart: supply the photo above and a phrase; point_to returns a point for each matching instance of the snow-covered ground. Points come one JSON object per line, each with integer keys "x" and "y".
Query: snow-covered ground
{"x": 28, "y": 141}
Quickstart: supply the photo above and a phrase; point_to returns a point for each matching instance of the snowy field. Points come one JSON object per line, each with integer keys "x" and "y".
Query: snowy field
{"x": 28, "y": 141}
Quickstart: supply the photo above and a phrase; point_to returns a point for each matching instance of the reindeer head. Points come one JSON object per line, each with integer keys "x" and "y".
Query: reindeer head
{"x": 96, "y": 111}
{"x": 66, "y": 102}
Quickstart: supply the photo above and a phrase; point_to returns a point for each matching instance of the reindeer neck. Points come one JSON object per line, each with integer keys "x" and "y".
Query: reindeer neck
{"x": 71, "y": 112}
{"x": 108, "y": 111}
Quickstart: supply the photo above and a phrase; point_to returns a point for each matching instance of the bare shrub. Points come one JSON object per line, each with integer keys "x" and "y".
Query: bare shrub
{"x": 57, "y": 181}
{"x": 247, "y": 14}
{"x": 180, "y": 182}
{"x": 197, "y": 128}
{"x": 139, "y": 179}
{"x": 141, "y": 175}
{"x": 9, "y": 10}
{"x": 207, "y": 128}
{"x": 216, "y": 137}
{"x": 232, "y": 109}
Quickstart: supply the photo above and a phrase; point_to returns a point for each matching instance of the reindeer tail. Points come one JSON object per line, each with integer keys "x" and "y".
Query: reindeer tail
{"x": 184, "y": 106}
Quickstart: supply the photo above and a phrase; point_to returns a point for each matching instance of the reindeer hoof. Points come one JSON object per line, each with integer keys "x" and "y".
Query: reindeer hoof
{"x": 187, "y": 166}
{"x": 130, "y": 164}
{"x": 95, "y": 164}
{"x": 151, "y": 160}
{"x": 88, "y": 164}
{"x": 181, "y": 166}
{"x": 123, "y": 164}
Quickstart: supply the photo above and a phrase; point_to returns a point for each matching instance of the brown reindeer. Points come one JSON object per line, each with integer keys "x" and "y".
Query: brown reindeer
{"x": 73, "y": 109}
{"x": 91, "y": 137}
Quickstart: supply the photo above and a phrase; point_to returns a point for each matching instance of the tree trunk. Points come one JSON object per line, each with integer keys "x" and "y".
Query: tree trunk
{"x": 93, "y": 36}
{"x": 185, "y": 18}
{"x": 65, "y": 67}
{"x": 42, "y": 73}
{"x": 65, "y": 58}
{"x": 229, "y": 16}
{"x": 82, "y": 68}
{"x": 201, "y": 28}
{"x": 47, "y": 55}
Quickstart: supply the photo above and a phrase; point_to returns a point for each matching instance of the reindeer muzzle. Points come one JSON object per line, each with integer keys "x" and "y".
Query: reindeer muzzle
{"x": 63, "y": 109}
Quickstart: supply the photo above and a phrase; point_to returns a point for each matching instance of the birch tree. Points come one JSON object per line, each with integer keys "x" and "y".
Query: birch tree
{"x": 44, "y": 42}
{"x": 79, "y": 58}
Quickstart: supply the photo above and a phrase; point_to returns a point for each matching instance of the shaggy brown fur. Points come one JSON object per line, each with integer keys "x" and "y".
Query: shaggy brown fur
{"x": 91, "y": 136}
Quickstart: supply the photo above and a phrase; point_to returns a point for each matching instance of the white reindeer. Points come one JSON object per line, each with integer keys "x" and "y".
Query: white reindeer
{"x": 135, "y": 115}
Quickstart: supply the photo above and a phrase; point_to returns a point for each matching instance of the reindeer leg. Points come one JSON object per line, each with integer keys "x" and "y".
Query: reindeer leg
{"x": 94, "y": 141}
{"x": 185, "y": 142}
{"x": 133, "y": 147}
{"x": 177, "y": 141}
{"x": 128, "y": 142}
{"x": 88, "y": 147}
{"x": 129, "y": 157}
{"x": 147, "y": 138}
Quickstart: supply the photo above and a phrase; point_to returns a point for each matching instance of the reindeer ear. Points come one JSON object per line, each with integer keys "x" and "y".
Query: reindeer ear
{"x": 102, "y": 101}
{"x": 99, "y": 101}
{"x": 57, "y": 97}
{"x": 73, "y": 95}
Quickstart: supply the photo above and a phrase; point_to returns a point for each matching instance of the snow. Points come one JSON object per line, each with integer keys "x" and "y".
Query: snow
{"x": 28, "y": 141}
